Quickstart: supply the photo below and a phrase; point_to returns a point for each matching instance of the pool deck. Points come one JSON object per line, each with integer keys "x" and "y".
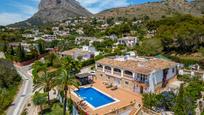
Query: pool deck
{"x": 126, "y": 99}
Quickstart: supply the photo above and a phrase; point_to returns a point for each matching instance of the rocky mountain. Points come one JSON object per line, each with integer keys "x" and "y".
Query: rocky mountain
{"x": 55, "y": 10}
{"x": 199, "y": 4}
{"x": 154, "y": 10}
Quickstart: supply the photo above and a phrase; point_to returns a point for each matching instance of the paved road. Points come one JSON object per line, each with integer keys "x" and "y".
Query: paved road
{"x": 24, "y": 93}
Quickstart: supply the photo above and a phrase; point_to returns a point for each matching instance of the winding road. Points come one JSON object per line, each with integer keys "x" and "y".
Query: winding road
{"x": 25, "y": 92}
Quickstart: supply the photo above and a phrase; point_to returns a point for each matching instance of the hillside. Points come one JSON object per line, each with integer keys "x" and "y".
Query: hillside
{"x": 55, "y": 10}
{"x": 154, "y": 10}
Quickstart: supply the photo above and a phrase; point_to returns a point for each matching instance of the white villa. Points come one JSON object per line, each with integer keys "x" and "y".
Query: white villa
{"x": 137, "y": 74}
{"x": 128, "y": 41}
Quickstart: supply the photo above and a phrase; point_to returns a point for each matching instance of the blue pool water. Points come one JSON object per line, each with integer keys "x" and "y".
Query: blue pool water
{"x": 94, "y": 97}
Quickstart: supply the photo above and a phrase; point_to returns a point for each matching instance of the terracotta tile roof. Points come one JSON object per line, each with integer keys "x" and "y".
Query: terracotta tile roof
{"x": 70, "y": 52}
{"x": 145, "y": 66}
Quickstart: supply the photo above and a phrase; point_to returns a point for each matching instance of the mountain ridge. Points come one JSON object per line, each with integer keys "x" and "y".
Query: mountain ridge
{"x": 55, "y": 10}
{"x": 154, "y": 10}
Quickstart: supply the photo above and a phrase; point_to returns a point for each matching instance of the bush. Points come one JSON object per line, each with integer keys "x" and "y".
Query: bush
{"x": 185, "y": 61}
{"x": 9, "y": 81}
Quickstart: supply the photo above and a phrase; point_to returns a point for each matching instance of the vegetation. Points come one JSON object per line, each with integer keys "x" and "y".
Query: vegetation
{"x": 181, "y": 104}
{"x": 180, "y": 33}
{"x": 165, "y": 101}
{"x": 67, "y": 78}
{"x": 39, "y": 99}
{"x": 150, "y": 47}
{"x": 49, "y": 75}
{"x": 9, "y": 82}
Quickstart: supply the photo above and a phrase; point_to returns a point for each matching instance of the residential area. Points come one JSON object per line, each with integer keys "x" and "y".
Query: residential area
{"x": 91, "y": 65}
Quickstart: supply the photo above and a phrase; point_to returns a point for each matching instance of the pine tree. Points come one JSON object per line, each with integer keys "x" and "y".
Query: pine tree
{"x": 20, "y": 53}
{"x": 179, "y": 107}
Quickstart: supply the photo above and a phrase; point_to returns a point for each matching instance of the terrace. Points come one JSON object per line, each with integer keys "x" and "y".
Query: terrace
{"x": 117, "y": 72}
{"x": 122, "y": 105}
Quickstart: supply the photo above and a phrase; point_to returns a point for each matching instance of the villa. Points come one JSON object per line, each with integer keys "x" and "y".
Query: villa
{"x": 85, "y": 53}
{"x": 128, "y": 41}
{"x": 81, "y": 39}
{"x": 136, "y": 74}
{"x": 49, "y": 38}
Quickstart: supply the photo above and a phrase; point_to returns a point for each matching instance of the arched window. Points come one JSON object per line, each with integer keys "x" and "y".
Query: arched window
{"x": 117, "y": 70}
{"x": 107, "y": 68}
{"x": 99, "y": 65}
{"x": 128, "y": 73}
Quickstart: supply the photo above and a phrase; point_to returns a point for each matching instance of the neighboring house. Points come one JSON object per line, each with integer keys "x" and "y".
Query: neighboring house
{"x": 61, "y": 33}
{"x": 140, "y": 74}
{"x": 55, "y": 28}
{"x": 49, "y": 38}
{"x": 84, "y": 53}
{"x": 28, "y": 35}
{"x": 90, "y": 49}
{"x": 80, "y": 40}
{"x": 112, "y": 37}
{"x": 128, "y": 41}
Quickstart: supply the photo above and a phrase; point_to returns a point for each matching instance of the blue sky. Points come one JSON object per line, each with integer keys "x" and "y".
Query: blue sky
{"x": 12, "y": 11}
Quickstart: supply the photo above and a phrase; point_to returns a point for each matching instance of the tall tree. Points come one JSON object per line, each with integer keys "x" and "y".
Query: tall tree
{"x": 179, "y": 107}
{"x": 20, "y": 53}
{"x": 43, "y": 79}
{"x": 41, "y": 46}
{"x": 67, "y": 77}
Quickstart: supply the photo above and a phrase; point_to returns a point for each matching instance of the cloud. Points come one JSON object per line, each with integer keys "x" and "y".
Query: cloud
{"x": 96, "y": 6}
{"x": 9, "y": 18}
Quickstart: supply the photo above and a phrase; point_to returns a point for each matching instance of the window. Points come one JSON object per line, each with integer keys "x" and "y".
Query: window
{"x": 99, "y": 65}
{"x": 173, "y": 70}
{"x": 126, "y": 82}
{"x": 107, "y": 68}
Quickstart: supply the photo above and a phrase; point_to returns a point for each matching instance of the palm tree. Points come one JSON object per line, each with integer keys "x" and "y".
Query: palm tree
{"x": 43, "y": 79}
{"x": 39, "y": 99}
{"x": 67, "y": 77}
{"x": 52, "y": 60}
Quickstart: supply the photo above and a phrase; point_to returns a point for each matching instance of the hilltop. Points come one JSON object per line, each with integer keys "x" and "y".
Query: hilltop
{"x": 154, "y": 10}
{"x": 55, "y": 10}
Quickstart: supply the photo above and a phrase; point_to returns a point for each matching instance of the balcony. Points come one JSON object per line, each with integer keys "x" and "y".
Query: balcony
{"x": 99, "y": 68}
{"x": 117, "y": 73}
{"x": 107, "y": 71}
{"x": 141, "y": 81}
{"x": 128, "y": 76}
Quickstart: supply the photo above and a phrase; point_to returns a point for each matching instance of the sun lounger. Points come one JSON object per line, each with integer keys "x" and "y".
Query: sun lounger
{"x": 109, "y": 86}
{"x": 114, "y": 87}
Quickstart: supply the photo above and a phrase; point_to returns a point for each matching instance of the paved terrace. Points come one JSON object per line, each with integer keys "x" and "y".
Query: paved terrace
{"x": 127, "y": 100}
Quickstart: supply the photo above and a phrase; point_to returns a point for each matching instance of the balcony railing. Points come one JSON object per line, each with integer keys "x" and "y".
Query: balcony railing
{"x": 128, "y": 76}
{"x": 117, "y": 73}
{"x": 107, "y": 71}
{"x": 141, "y": 81}
{"x": 100, "y": 68}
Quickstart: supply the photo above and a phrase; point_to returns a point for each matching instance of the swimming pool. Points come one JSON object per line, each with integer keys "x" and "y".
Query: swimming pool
{"x": 94, "y": 97}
